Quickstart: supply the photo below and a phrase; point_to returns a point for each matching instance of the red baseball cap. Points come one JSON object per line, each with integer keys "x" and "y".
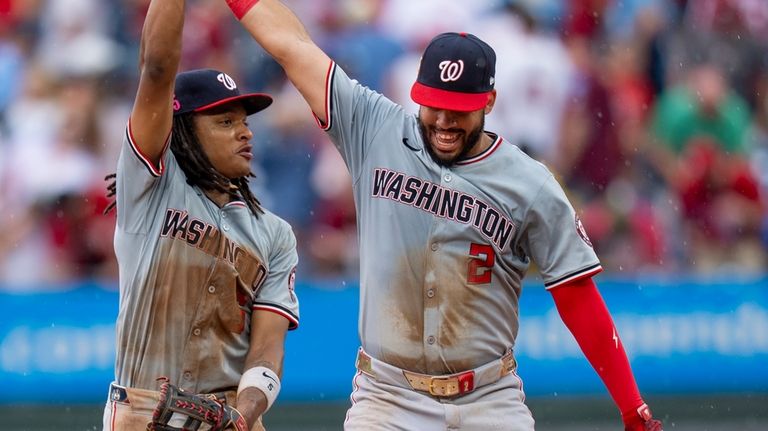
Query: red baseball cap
{"x": 456, "y": 73}
{"x": 201, "y": 89}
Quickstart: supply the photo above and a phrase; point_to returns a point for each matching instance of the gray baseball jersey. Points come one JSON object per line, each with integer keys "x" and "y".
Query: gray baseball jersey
{"x": 191, "y": 273}
{"x": 443, "y": 250}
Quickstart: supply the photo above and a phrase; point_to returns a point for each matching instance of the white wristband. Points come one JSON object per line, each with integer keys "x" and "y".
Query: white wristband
{"x": 263, "y": 379}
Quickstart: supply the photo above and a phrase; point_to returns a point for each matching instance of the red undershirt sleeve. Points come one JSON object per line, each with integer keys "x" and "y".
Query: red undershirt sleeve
{"x": 583, "y": 311}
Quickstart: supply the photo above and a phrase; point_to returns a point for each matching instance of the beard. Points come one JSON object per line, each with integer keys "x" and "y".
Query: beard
{"x": 469, "y": 143}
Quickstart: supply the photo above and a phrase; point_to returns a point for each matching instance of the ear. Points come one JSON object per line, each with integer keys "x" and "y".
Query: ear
{"x": 491, "y": 101}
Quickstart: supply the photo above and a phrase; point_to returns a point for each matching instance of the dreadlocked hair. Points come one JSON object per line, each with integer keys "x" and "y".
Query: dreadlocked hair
{"x": 198, "y": 168}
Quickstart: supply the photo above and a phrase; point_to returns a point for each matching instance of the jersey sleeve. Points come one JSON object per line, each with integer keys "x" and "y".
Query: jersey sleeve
{"x": 139, "y": 183}
{"x": 277, "y": 294}
{"x": 356, "y": 114}
{"x": 555, "y": 239}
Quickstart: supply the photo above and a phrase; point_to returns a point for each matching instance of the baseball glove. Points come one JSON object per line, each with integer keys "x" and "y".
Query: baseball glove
{"x": 195, "y": 410}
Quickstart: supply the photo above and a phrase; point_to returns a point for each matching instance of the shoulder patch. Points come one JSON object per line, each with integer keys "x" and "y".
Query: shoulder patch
{"x": 292, "y": 284}
{"x": 582, "y": 232}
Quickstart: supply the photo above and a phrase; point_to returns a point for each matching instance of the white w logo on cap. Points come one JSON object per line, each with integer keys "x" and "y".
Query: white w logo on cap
{"x": 227, "y": 80}
{"x": 450, "y": 70}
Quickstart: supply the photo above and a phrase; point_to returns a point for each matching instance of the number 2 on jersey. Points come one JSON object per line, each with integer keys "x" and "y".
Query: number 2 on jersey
{"x": 483, "y": 258}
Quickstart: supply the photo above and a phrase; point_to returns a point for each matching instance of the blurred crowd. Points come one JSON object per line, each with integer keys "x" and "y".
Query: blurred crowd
{"x": 652, "y": 113}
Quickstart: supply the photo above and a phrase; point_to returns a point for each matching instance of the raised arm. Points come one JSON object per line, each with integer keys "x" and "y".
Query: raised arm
{"x": 159, "y": 57}
{"x": 277, "y": 29}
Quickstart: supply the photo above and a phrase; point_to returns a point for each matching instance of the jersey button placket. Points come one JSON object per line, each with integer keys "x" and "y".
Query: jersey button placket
{"x": 224, "y": 225}
{"x": 431, "y": 283}
{"x": 431, "y": 326}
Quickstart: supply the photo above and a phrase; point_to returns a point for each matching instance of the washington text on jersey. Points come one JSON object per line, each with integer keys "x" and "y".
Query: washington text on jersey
{"x": 211, "y": 241}
{"x": 443, "y": 202}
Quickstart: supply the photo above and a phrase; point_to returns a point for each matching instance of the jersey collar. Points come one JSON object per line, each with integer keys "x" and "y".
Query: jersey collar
{"x": 488, "y": 151}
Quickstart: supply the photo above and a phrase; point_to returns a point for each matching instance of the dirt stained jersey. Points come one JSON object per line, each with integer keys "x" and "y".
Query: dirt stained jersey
{"x": 443, "y": 250}
{"x": 191, "y": 273}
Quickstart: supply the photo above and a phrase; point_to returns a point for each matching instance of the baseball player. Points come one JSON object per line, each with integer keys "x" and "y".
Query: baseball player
{"x": 206, "y": 274}
{"x": 450, "y": 217}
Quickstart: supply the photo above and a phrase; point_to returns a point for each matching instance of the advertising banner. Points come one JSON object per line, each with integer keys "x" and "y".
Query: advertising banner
{"x": 681, "y": 335}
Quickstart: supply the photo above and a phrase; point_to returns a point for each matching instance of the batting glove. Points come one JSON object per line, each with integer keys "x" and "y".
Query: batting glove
{"x": 641, "y": 420}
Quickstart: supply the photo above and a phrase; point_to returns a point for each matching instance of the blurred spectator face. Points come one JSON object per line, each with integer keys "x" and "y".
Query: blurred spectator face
{"x": 356, "y": 12}
{"x": 710, "y": 88}
{"x": 450, "y": 135}
{"x": 79, "y": 100}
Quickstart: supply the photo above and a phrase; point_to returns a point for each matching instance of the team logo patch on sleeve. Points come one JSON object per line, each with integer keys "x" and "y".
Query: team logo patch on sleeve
{"x": 582, "y": 232}
{"x": 292, "y": 284}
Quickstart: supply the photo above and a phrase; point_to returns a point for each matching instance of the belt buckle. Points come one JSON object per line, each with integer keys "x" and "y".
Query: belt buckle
{"x": 449, "y": 386}
{"x": 443, "y": 386}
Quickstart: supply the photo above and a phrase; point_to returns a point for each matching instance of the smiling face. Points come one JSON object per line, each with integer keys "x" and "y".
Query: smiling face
{"x": 454, "y": 135}
{"x": 225, "y": 137}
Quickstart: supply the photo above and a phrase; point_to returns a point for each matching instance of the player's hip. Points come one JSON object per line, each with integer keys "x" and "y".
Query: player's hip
{"x": 383, "y": 406}
{"x": 450, "y": 387}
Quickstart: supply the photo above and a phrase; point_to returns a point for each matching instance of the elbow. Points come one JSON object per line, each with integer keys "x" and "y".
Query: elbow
{"x": 282, "y": 56}
{"x": 160, "y": 66}
{"x": 286, "y": 51}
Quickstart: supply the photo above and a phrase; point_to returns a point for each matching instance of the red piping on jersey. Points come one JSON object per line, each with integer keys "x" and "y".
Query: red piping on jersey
{"x": 589, "y": 272}
{"x": 155, "y": 171}
{"x": 293, "y": 322}
{"x": 236, "y": 204}
{"x": 113, "y": 419}
{"x": 356, "y": 387}
{"x": 584, "y": 312}
{"x": 482, "y": 156}
{"x": 520, "y": 380}
{"x": 327, "y": 100}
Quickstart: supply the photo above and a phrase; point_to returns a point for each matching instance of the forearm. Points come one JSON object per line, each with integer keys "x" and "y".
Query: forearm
{"x": 252, "y": 402}
{"x": 159, "y": 56}
{"x": 277, "y": 29}
{"x": 160, "y": 51}
{"x": 263, "y": 365}
{"x": 280, "y": 32}
{"x": 267, "y": 343}
{"x": 584, "y": 313}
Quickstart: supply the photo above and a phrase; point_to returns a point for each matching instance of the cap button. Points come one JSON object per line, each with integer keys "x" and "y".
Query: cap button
{"x": 463, "y": 34}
